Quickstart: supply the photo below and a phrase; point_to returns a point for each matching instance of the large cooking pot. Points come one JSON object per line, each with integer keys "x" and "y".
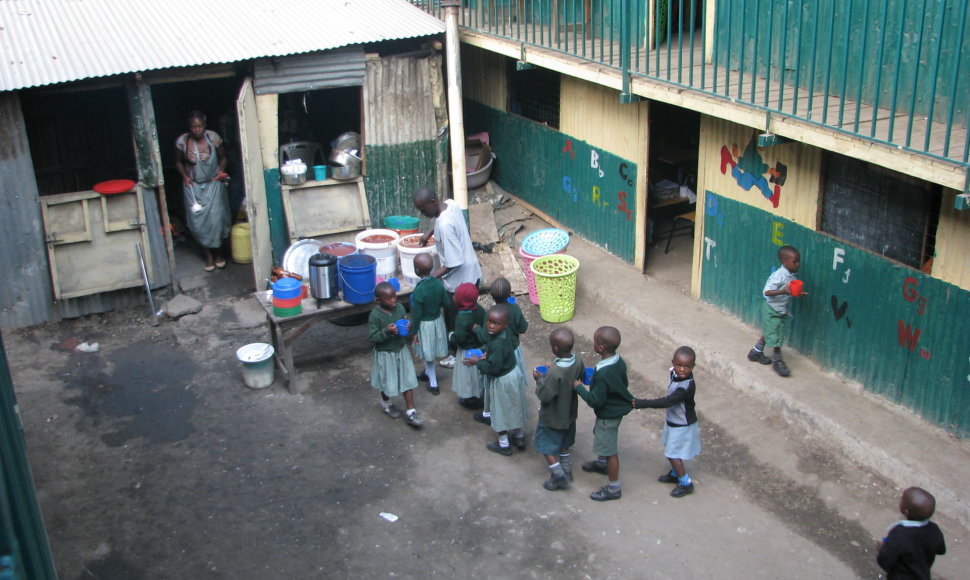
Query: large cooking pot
{"x": 341, "y": 172}
{"x": 344, "y": 159}
{"x": 323, "y": 276}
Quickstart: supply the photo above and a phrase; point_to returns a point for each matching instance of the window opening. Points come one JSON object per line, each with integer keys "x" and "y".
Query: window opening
{"x": 534, "y": 94}
{"x": 880, "y": 210}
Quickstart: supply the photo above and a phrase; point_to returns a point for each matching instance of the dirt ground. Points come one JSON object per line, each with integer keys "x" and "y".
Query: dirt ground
{"x": 153, "y": 461}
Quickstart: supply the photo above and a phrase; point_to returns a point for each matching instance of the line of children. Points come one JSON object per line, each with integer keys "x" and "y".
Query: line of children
{"x": 504, "y": 394}
{"x": 392, "y": 368}
{"x": 466, "y": 381}
{"x": 427, "y": 303}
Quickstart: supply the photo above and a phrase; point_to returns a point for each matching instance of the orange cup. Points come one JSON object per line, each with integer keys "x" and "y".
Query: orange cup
{"x": 796, "y": 287}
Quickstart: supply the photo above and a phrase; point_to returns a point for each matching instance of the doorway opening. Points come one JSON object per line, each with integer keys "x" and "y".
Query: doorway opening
{"x": 672, "y": 186}
{"x": 216, "y": 98}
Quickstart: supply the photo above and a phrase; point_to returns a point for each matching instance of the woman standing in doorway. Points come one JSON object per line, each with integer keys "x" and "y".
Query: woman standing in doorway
{"x": 201, "y": 160}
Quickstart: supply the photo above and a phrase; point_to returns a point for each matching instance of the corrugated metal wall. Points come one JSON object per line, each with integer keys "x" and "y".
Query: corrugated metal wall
{"x": 585, "y": 188}
{"x": 310, "y": 72}
{"x": 22, "y": 534}
{"x": 485, "y": 79}
{"x": 25, "y": 295}
{"x": 899, "y": 332}
{"x": 401, "y": 131}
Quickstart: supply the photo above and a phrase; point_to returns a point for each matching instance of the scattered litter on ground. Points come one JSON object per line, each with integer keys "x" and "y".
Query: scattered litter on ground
{"x": 389, "y": 516}
{"x": 87, "y": 347}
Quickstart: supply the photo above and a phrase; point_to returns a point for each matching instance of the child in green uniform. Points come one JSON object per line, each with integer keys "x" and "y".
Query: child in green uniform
{"x": 609, "y": 396}
{"x": 430, "y": 336}
{"x": 466, "y": 381}
{"x": 556, "y": 429}
{"x": 503, "y": 380}
{"x": 501, "y": 291}
{"x": 392, "y": 370}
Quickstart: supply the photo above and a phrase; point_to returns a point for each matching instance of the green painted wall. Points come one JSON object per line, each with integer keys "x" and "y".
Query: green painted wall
{"x": 24, "y": 550}
{"x": 836, "y": 38}
{"x": 394, "y": 172}
{"x": 279, "y": 235}
{"x": 587, "y": 189}
{"x": 899, "y": 332}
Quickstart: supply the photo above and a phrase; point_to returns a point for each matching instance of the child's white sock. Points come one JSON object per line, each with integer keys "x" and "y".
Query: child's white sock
{"x": 503, "y": 440}
{"x": 432, "y": 374}
{"x": 487, "y": 414}
{"x": 614, "y": 484}
{"x": 556, "y": 470}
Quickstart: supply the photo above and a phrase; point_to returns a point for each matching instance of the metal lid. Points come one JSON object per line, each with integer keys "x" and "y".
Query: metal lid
{"x": 321, "y": 259}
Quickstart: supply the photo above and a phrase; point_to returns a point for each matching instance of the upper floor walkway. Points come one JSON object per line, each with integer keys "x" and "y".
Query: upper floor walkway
{"x": 885, "y": 81}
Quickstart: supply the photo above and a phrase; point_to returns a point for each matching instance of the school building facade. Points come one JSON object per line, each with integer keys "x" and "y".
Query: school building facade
{"x": 838, "y": 128}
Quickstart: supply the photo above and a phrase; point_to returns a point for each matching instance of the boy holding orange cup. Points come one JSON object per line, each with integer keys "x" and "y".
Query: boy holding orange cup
{"x": 778, "y": 290}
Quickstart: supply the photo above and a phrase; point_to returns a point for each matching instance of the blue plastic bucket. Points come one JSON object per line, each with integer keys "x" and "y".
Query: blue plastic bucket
{"x": 358, "y": 278}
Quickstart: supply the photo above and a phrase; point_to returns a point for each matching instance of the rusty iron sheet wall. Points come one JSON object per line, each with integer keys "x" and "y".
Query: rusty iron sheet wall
{"x": 25, "y": 295}
{"x": 899, "y": 332}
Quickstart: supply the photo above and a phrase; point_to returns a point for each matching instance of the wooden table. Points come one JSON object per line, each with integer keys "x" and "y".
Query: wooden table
{"x": 285, "y": 330}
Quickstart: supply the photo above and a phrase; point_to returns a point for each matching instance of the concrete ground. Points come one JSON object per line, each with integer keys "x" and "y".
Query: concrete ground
{"x": 153, "y": 460}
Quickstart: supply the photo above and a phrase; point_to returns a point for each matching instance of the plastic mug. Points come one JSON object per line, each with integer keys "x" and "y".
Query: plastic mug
{"x": 473, "y": 352}
{"x": 510, "y": 299}
{"x": 542, "y": 370}
{"x": 795, "y": 286}
{"x": 402, "y": 327}
{"x": 396, "y": 283}
{"x": 588, "y": 375}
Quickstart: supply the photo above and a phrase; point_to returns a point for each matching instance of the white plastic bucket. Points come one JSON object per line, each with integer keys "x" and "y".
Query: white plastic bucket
{"x": 257, "y": 362}
{"x": 385, "y": 252}
{"x": 407, "y": 258}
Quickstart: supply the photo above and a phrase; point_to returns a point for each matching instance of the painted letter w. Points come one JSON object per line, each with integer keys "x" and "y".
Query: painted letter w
{"x": 908, "y": 338}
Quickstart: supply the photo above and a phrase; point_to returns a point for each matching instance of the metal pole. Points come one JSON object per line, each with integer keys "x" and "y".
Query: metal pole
{"x": 456, "y": 122}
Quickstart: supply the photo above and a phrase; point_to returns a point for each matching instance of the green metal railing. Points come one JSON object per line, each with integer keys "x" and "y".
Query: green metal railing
{"x": 889, "y": 71}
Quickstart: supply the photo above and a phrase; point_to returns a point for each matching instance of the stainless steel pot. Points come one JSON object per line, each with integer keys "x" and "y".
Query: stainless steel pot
{"x": 339, "y": 172}
{"x": 344, "y": 159}
{"x": 323, "y": 276}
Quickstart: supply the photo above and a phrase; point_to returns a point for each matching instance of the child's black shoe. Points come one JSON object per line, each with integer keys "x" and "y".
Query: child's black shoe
{"x": 434, "y": 390}
{"x": 519, "y": 441}
{"x": 414, "y": 420}
{"x": 605, "y": 493}
{"x": 554, "y": 483}
{"x": 668, "y": 478}
{"x": 392, "y": 412}
{"x": 595, "y": 467}
{"x": 758, "y": 357}
{"x": 781, "y": 368}
{"x": 496, "y": 447}
{"x": 470, "y": 402}
{"x": 682, "y": 490}
{"x": 481, "y": 418}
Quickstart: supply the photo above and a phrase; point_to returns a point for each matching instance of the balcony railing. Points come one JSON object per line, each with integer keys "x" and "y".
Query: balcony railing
{"x": 892, "y": 71}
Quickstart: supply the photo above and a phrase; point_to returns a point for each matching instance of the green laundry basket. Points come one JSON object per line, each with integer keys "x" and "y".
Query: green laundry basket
{"x": 555, "y": 277}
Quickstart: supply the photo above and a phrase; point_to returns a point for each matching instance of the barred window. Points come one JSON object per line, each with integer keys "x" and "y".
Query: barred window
{"x": 534, "y": 94}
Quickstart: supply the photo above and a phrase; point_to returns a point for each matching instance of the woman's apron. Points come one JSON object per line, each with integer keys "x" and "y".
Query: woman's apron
{"x": 210, "y": 224}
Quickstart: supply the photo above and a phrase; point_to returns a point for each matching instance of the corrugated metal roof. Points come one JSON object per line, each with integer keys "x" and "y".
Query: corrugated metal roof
{"x": 45, "y": 42}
